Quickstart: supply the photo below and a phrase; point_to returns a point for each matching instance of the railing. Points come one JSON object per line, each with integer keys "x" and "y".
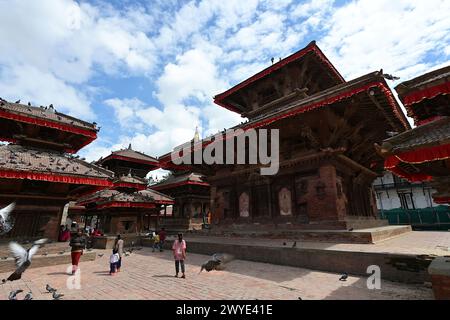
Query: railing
{"x": 436, "y": 218}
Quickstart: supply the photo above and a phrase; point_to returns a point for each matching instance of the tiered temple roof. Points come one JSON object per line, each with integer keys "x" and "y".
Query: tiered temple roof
{"x": 375, "y": 101}
{"x": 426, "y": 96}
{"x": 44, "y": 126}
{"x": 423, "y": 153}
{"x": 190, "y": 178}
{"x": 20, "y": 162}
{"x": 303, "y": 73}
{"x": 115, "y": 199}
{"x": 128, "y": 161}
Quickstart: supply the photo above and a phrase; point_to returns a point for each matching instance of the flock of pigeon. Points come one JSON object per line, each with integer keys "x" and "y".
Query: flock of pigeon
{"x": 23, "y": 258}
{"x": 21, "y": 255}
{"x": 29, "y": 296}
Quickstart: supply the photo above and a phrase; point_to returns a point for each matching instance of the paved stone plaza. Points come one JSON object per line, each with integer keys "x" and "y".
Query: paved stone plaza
{"x": 148, "y": 275}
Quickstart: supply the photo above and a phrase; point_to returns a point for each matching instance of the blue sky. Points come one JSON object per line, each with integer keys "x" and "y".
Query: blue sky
{"x": 146, "y": 71}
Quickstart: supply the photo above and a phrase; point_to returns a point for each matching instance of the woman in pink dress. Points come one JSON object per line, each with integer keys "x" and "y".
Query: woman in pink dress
{"x": 179, "y": 254}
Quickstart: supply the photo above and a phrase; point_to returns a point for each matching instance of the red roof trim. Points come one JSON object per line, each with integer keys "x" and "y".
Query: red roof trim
{"x": 48, "y": 123}
{"x": 120, "y": 204}
{"x": 117, "y": 157}
{"x": 130, "y": 185}
{"x": 176, "y": 184}
{"x": 418, "y": 156}
{"x": 427, "y": 93}
{"x": 311, "y": 47}
{"x": 428, "y": 120}
{"x": 442, "y": 200}
{"x": 10, "y": 174}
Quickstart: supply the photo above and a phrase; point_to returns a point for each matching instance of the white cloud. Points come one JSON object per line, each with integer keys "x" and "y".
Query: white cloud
{"x": 365, "y": 35}
{"x": 61, "y": 41}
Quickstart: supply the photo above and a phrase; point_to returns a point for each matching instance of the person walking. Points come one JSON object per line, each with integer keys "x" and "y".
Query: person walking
{"x": 78, "y": 244}
{"x": 119, "y": 248}
{"x": 179, "y": 254}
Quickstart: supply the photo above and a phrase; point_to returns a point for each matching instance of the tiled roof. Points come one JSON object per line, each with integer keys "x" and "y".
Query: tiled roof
{"x": 131, "y": 179}
{"x": 27, "y": 159}
{"x": 110, "y": 195}
{"x": 178, "y": 179}
{"x": 129, "y": 154}
{"x": 427, "y": 79}
{"x": 157, "y": 196}
{"x": 427, "y": 135}
{"x": 45, "y": 113}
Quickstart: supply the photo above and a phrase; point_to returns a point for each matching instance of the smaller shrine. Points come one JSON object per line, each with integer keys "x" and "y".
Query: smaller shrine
{"x": 129, "y": 206}
{"x": 191, "y": 193}
{"x": 423, "y": 153}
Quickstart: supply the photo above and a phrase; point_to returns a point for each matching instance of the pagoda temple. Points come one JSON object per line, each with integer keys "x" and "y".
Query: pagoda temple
{"x": 327, "y": 128}
{"x": 38, "y": 169}
{"x": 128, "y": 207}
{"x": 423, "y": 153}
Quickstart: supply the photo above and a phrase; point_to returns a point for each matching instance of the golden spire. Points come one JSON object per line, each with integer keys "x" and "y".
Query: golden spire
{"x": 196, "y": 135}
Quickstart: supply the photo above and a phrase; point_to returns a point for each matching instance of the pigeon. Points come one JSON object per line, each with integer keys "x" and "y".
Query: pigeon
{"x": 390, "y": 77}
{"x": 29, "y": 104}
{"x": 45, "y": 253}
{"x": 273, "y": 59}
{"x": 295, "y": 244}
{"x": 56, "y": 296}
{"x": 126, "y": 254}
{"x": 13, "y": 294}
{"x": 300, "y": 298}
{"x": 343, "y": 277}
{"x": 18, "y": 101}
{"x": 391, "y": 133}
{"x": 351, "y": 229}
{"x": 216, "y": 262}
{"x": 28, "y": 296}
{"x": 50, "y": 289}
{"x": 62, "y": 252}
{"x": 284, "y": 243}
{"x": 4, "y": 258}
{"x": 5, "y": 218}
{"x": 100, "y": 255}
{"x": 22, "y": 257}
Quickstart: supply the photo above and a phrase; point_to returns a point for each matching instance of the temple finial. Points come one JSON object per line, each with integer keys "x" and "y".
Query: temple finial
{"x": 196, "y": 135}
{"x": 129, "y": 146}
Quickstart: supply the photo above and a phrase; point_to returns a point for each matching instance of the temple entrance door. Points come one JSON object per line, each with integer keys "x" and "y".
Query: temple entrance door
{"x": 260, "y": 201}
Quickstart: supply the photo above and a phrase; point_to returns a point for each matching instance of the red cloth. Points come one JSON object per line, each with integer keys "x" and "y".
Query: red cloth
{"x": 162, "y": 235}
{"x": 427, "y": 93}
{"x": 65, "y": 236}
{"x": 76, "y": 257}
{"x": 11, "y": 174}
{"x": 96, "y": 233}
{"x": 418, "y": 156}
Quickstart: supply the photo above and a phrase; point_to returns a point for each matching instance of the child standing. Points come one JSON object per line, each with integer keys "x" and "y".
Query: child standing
{"x": 113, "y": 260}
{"x": 156, "y": 240}
{"x": 179, "y": 254}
